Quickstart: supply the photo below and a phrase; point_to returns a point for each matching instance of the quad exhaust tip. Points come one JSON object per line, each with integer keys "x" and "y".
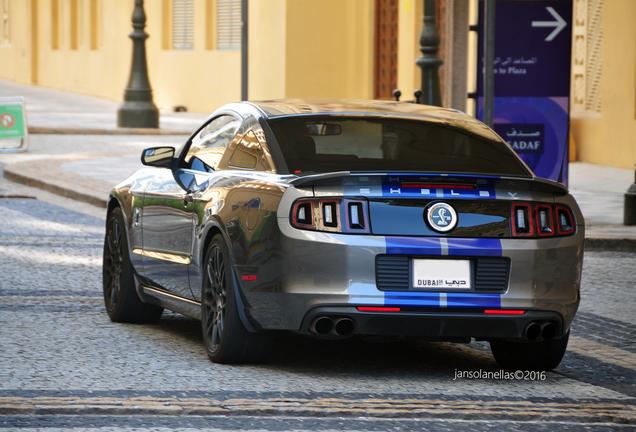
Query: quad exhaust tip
{"x": 325, "y": 325}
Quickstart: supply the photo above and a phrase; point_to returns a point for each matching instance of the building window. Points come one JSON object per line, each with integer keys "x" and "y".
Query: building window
{"x": 228, "y": 24}
{"x": 6, "y": 22}
{"x": 182, "y": 24}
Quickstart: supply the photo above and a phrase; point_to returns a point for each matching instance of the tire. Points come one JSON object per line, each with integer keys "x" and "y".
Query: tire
{"x": 537, "y": 356}
{"x": 226, "y": 338}
{"x": 120, "y": 294}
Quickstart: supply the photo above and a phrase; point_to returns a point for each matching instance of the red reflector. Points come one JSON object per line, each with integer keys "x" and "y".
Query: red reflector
{"x": 250, "y": 277}
{"x": 504, "y": 312}
{"x": 438, "y": 186}
{"x": 378, "y": 309}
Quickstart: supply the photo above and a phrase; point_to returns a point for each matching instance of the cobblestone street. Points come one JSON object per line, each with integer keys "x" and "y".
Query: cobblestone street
{"x": 66, "y": 366}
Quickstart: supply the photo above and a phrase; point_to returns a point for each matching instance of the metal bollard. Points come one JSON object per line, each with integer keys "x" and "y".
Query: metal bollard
{"x": 629, "y": 217}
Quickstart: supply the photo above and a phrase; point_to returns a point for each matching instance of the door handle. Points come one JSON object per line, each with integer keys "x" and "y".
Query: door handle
{"x": 187, "y": 199}
{"x": 136, "y": 218}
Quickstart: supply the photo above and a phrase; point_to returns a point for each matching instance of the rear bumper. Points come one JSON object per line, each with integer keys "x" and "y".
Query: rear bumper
{"x": 308, "y": 271}
{"x": 435, "y": 325}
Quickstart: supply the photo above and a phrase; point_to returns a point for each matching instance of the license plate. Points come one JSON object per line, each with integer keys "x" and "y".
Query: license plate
{"x": 446, "y": 274}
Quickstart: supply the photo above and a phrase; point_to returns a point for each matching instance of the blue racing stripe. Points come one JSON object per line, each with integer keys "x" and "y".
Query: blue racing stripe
{"x": 490, "y": 247}
{"x": 466, "y": 300}
{"x": 432, "y": 300}
{"x": 396, "y": 245}
{"x": 418, "y": 299}
{"x": 413, "y": 245}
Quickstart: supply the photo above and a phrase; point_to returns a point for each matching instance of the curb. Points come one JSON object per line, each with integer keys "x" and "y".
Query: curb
{"x": 36, "y": 130}
{"x": 67, "y": 193}
{"x": 610, "y": 244}
{"x": 599, "y": 412}
{"x": 46, "y": 174}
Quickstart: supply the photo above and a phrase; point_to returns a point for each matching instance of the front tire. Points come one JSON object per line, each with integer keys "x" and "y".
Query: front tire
{"x": 538, "y": 356}
{"x": 226, "y": 338}
{"x": 120, "y": 294}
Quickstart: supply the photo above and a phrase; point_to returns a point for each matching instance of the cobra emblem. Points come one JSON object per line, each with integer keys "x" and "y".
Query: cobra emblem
{"x": 441, "y": 217}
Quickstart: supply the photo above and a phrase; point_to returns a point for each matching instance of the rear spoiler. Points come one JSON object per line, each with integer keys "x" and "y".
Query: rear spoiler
{"x": 310, "y": 180}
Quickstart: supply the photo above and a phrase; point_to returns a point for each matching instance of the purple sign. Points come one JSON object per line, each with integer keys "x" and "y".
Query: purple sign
{"x": 532, "y": 81}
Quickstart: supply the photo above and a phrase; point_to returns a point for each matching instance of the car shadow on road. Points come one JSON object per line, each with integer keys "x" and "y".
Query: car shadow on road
{"x": 297, "y": 353}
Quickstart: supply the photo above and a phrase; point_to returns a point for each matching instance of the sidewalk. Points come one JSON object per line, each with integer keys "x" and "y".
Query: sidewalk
{"x": 77, "y": 151}
{"x": 60, "y": 112}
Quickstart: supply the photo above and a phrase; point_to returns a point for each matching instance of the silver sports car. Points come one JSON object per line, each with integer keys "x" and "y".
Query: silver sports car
{"x": 343, "y": 218}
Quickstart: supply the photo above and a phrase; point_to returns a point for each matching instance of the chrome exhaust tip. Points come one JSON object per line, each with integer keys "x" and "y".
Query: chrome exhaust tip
{"x": 322, "y": 325}
{"x": 548, "y": 330}
{"x": 345, "y": 327}
{"x": 532, "y": 331}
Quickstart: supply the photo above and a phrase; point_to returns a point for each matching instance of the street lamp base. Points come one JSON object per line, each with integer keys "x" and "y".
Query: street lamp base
{"x": 137, "y": 115}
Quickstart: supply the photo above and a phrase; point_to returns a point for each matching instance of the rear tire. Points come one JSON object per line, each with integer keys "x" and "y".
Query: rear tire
{"x": 120, "y": 294}
{"x": 537, "y": 356}
{"x": 226, "y": 338}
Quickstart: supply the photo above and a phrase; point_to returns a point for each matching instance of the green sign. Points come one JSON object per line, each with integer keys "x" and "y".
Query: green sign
{"x": 12, "y": 121}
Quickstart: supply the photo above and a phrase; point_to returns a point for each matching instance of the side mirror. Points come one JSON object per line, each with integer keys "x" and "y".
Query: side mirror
{"x": 160, "y": 157}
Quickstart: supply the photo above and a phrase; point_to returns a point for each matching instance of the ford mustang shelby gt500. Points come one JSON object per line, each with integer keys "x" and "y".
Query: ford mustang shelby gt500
{"x": 336, "y": 218}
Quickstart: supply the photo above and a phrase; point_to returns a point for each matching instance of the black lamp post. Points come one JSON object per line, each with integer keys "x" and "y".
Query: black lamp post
{"x": 429, "y": 61}
{"x": 489, "y": 62}
{"x": 629, "y": 217}
{"x": 138, "y": 109}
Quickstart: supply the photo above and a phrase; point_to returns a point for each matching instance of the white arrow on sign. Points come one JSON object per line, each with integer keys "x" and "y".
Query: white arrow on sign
{"x": 558, "y": 25}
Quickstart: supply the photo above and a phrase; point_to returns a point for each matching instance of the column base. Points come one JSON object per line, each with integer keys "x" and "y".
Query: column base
{"x": 137, "y": 115}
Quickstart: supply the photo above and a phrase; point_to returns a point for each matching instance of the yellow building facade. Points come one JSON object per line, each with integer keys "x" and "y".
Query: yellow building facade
{"x": 297, "y": 48}
{"x": 307, "y": 48}
{"x": 603, "y": 96}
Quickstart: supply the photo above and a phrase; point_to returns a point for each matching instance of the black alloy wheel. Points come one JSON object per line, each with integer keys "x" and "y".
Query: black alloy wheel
{"x": 214, "y": 298}
{"x": 113, "y": 265}
{"x": 226, "y": 338}
{"x": 120, "y": 295}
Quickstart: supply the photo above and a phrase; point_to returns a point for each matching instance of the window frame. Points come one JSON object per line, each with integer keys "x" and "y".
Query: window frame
{"x": 188, "y": 145}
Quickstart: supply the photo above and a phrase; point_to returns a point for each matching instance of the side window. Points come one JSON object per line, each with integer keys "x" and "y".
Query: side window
{"x": 209, "y": 145}
{"x": 249, "y": 154}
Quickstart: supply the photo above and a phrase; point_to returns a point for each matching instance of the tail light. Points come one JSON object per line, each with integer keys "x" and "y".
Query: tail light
{"x": 522, "y": 225}
{"x": 303, "y": 214}
{"x": 335, "y": 215}
{"x": 541, "y": 220}
{"x": 565, "y": 221}
{"x": 544, "y": 220}
{"x": 330, "y": 213}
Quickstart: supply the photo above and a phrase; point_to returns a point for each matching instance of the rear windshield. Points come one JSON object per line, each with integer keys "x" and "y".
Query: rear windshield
{"x": 318, "y": 144}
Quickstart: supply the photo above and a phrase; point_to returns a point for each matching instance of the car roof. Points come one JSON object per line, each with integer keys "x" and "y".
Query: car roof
{"x": 357, "y": 107}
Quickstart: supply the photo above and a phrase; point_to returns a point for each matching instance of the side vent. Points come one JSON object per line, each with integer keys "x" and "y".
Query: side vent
{"x": 392, "y": 273}
{"x": 491, "y": 274}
